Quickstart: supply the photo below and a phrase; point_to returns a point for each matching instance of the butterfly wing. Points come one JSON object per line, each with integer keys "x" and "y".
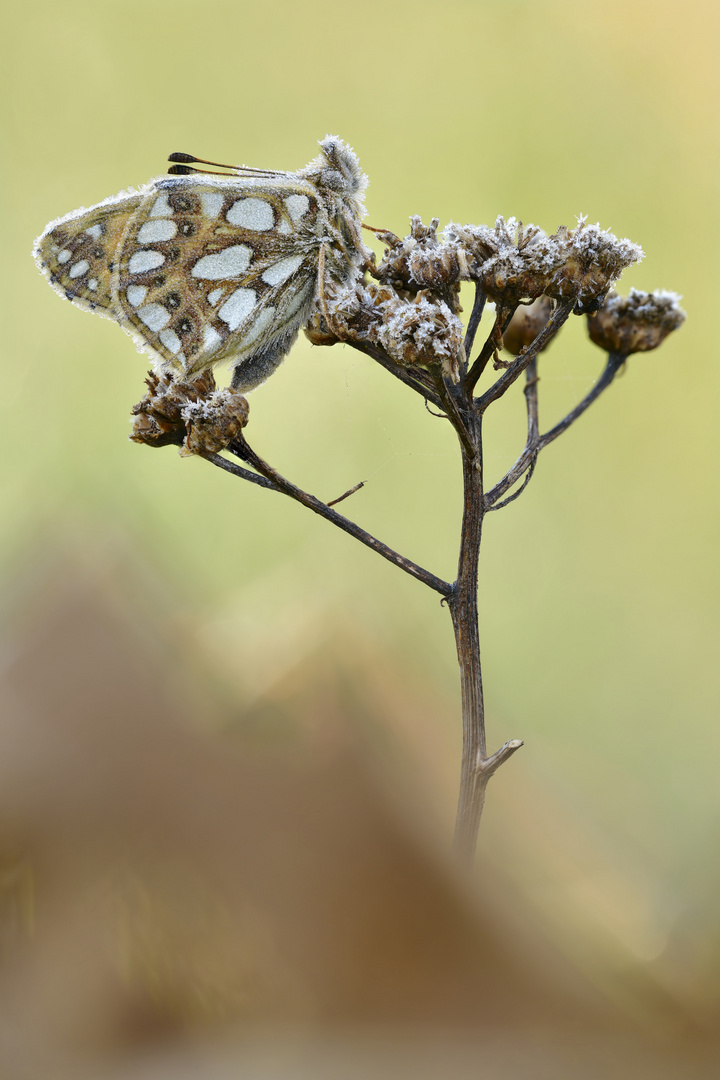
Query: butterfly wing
{"x": 219, "y": 270}
{"x": 77, "y": 252}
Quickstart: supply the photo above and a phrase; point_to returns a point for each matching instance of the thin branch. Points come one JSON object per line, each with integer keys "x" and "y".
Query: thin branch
{"x": 474, "y": 320}
{"x": 270, "y": 478}
{"x": 527, "y": 459}
{"x": 503, "y": 315}
{"x": 518, "y": 493}
{"x": 437, "y": 415}
{"x": 531, "y": 401}
{"x": 237, "y": 470}
{"x": 508, "y": 377}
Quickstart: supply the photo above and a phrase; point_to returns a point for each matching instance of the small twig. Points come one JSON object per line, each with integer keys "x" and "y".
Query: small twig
{"x": 532, "y": 380}
{"x": 242, "y": 450}
{"x": 347, "y": 494}
{"x": 474, "y": 320}
{"x": 439, "y": 415}
{"x": 487, "y": 766}
{"x": 556, "y": 320}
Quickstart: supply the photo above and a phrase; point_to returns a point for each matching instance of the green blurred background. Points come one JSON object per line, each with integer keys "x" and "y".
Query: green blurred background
{"x": 600, "y": 586}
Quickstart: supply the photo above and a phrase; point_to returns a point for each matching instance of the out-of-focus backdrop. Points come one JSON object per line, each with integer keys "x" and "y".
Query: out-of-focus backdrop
{"x": 170, "y": 633}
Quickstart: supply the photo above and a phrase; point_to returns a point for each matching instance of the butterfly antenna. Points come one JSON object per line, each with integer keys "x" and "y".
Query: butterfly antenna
{"x": 189, "y": 159}
{"x": 185, "y": 161}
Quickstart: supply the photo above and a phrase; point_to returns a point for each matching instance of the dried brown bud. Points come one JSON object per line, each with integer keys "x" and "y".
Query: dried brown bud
{"x": 526, "y": 324}
{"x": 191, "y": 414}
{"x": 635, "y": 323}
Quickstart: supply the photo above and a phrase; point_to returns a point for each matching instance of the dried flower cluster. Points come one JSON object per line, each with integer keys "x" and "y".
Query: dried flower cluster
{"x": 411, "y": 310}
{"x": 512, "y": 263}
{"x": 192, "y": 414}
{"x": 635, "y": 323}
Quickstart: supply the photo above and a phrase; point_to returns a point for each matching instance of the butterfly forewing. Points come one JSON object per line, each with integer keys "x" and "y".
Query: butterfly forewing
{"x": 204, "y": 267}
{"x": 77, "y": 252}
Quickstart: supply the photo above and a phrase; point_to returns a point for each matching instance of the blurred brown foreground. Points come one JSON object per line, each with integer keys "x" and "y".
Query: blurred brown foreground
{"x": 193, "y": 889}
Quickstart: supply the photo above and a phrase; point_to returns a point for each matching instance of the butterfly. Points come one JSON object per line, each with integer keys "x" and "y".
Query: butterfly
{"x": 202, "y": 268}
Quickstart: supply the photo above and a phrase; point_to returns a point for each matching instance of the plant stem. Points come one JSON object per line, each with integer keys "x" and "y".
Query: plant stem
{"x": 477, "y": 767}
{"x": 464, "y": 612}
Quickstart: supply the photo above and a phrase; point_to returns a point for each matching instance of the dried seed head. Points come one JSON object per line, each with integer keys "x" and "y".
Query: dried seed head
{"x": 635, "y": 323}
{"x": 214, "y": 422}
{"x": 526, "y": 324}
{"x": 512, "y": 262}
{"x": 421, "y": 261}
{"x": 191, "y": 414}
{"x": 592, "y": 261}
{"x": 421, "y": 331}
{"x": 158, "y": 417}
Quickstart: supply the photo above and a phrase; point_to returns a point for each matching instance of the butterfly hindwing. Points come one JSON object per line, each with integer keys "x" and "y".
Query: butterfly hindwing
{"x": 77, "y": 252}
{"x": 211, "y": 271}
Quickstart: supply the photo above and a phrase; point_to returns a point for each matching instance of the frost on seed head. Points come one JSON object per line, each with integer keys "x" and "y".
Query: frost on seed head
{"x": 635, "y": 323}
{"x": 422, "y": 331}
{"x": 421, "y": 261}
{"x": 516, "y": 263}
{"x": 191, "y": 413}
{"x": 411, "y": 309}
{"x": 511, "y": 261}
{"x": 592, "y": 261}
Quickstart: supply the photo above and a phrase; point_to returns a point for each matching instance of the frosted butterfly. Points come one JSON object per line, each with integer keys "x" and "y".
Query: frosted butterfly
{"x": 202, "y": 268}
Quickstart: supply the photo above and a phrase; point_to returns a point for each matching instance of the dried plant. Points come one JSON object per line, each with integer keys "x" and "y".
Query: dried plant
{"x": 404, "y": 314}
{"x": 292, "y": 242}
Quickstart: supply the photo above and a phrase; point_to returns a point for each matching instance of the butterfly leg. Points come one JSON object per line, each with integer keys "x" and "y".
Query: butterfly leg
{"x": 322, "y": 298}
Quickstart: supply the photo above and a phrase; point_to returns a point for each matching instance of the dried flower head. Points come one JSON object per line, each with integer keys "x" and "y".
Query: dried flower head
{"x": 592, "y": 261}
{"x": 526, "y": 324}
{"x": 421, "y": 261}
{"x": 421, "y": 331}
{"x": 512, "y": 262}
{"x": 635, "y": 323}
{"x": 192, "y": 414}
{"x": 413, "y": 328}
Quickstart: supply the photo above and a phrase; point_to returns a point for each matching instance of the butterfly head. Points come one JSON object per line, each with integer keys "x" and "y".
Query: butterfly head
{"x": 337, "y": 169}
